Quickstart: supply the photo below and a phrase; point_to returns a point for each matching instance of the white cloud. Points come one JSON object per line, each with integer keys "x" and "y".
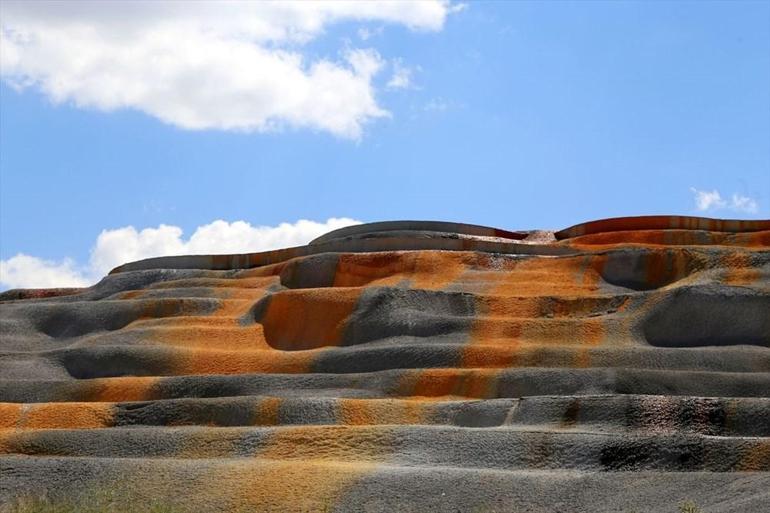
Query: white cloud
{"x": 707, "y": 200}
{"x": 24, "y": 271}
{"x": 121, "y": 245}
{"x": 205, "y": 65}
{"x": 401, "y": 78}
{"x": 713, "y": 200}
{"x": 744, "y": 204}
{"x": 365, "y": 33}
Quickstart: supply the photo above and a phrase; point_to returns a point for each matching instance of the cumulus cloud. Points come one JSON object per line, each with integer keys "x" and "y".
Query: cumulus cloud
{"x": 25, "y": 271}
{"x": 117, "y": 246}
{"x": 707, "y": 200}
{"x": 712, "y": 200}
{"x": 402, "y": 76}
{"x": 205, "y": 65}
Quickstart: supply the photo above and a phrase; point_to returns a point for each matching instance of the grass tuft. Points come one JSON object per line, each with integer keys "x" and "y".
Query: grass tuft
{"x": 689, "y": 507}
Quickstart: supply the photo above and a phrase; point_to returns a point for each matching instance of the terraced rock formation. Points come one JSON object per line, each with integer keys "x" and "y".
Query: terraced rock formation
{"x": 620, "y": 365}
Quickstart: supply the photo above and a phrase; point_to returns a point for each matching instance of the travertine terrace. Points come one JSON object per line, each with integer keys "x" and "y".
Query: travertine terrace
{"x": 618, "y": 365}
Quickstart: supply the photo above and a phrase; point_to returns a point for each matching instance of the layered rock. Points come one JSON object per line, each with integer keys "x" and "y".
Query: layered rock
{"x": 619, "y": 365}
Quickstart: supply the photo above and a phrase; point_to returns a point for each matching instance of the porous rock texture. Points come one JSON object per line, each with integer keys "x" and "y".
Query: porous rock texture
{"x": 619, "y": 365}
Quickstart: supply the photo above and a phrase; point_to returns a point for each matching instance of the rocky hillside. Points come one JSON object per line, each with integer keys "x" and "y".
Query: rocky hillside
{"x": 619, "y": 365}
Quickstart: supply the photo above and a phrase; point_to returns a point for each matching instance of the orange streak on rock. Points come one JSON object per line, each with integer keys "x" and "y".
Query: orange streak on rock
{"x": 161, "y": 308}
{"x": 203, "y": 361}
{"x": 666, "y": 266}
{"x": 211, "y": 335}
{"x": 10, "y": 414}
{"x": 308, "y": 318}
{"x": 657, "y": 268}
{"x": 318, "y": 461}
{"x": 754, "y": 240}
{"x": 131, "y": 294}
{"x": 381, "y": 411}
{"x": 68, "y": 416}
{"x": 267, "y": 412}
{"x": 450, "y": 383}
{"x": 534, "y": 303}
{"x": 497, "y": 330}
{"x": 756, "y": 458}
{"x": 237, "y": 304}
{"x": 224, "y": 329}
{"x": 739, "y": 270}
{"x": 283, "y": 486}
{"x": 436, "y": 270}
{"x": 742, "y": 277}
{"x": 383, "y": 269}
{"x": 585, "y": 332}
{"x": 559, "y": 276}
{"x": 430, "y": 270}
{"x": 582, "y": 358}
{"x": 120, "y": 389}
{"x": 333, "y": 443}
{"x": 475, "y": 356}
{"x": 6, "y": 440}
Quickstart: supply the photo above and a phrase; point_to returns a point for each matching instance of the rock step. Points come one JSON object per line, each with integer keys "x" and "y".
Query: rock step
{"x": 255, "y": 484}
{"x": 600, "y": 414}
{"x": 164, "y": 360}
{"x": 460, "y": 383}
{"x": 435, "y": 446}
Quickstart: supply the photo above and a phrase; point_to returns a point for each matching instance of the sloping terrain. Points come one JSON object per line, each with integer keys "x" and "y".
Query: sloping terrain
{"x": 619, "y": 365}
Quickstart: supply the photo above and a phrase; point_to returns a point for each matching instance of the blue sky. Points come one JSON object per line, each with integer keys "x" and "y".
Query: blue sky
{"x": 512, "y": 114}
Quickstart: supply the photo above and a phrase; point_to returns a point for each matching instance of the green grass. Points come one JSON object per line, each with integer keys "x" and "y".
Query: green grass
{"x": 689, "y": 507}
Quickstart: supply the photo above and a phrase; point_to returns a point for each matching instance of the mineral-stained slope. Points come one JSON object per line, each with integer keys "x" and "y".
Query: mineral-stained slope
{"x": 620, "y": 365}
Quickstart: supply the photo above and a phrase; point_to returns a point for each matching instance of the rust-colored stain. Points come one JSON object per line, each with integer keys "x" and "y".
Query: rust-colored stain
{"x": 421, "y": 270}
{"x": 447, "y": 384}
{"x": 756, "y": 458}
{"x": 10, "y": 413}
{"x": 67, "y": 416}
{"x": 119, "y": 389}
{"x": 308, "y": 319}
{"x": 333, "y": 443}
{"x": 293, "y": 485}
{"x": 215, "y": 361}
{"x": 364, "y": 412}
{"x": 739, "y": 270}
{"x": 267, "y": 412}
{"x": 312, "y": 465}
{"x": 533, "y": 303}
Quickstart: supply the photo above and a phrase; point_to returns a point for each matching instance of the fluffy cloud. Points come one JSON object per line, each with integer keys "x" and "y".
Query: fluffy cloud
{"x": 402, "y": 76}
{"x": 24, "y": 271}
{"x": 713, "y": 200}
{"x": 205, "y": 65}
{"x": 744, "y": 204}
{"x": 707, "y": 200}
{"x": 115, "y": 247}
